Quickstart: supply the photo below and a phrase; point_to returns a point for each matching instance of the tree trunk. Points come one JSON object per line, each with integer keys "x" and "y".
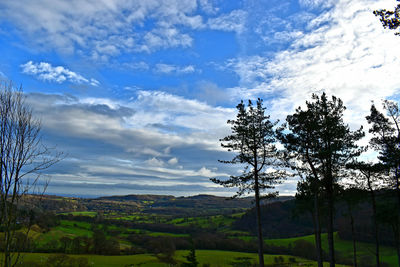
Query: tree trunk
{"x": 317, "y": 231}
{"x": 354, "y": 239}
{"x": 376, "y": 233}
{"x": 259, "y": 229}
{"x": 398, "y": 188}
{"x": 395, "y": 228}
{"x": 376, "y": 236}
{"x": 330, "y": 228}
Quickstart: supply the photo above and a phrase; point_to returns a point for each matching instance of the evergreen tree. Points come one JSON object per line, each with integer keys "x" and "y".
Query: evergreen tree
{"x": 322, "y": 144}
{"x": 301, "y": 155}
{"x": 191, "y": 257}
{"x": 390, "y": 19}
{"x": 369, "y": 177}
{"x": 253, "y": 139}
{"x": 386, "y": 140}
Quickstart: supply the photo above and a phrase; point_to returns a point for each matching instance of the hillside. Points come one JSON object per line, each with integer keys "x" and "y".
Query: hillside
{"x": 158, "y": 225}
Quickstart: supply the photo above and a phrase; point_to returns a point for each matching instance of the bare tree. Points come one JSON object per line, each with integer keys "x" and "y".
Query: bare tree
{"x": 23, "y": 156}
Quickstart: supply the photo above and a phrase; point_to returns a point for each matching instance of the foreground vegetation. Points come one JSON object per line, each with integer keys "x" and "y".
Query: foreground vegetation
{"x": 204, "y": 257}
{"x": 155, "y": 236}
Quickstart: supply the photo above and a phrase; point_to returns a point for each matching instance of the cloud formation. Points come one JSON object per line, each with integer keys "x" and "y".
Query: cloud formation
{"x": 140, "y": 141}
{"x": 344, "y": 52}
{"x": 104, "y": 29}
{"x": 46, "y": 72}
{"x": 173, "y": 69}
{"x": 234, "y": 21}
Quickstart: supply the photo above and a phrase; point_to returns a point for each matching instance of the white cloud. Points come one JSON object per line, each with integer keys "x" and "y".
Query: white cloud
{"x": 141, "y": 65}
{"x": 234, "y": 21}
{"x": 165, "y": 38}
{"x": 154, "y": 162}
{"x": 151, "y": 124}
{"x": 156, "y": 107}
{"x": 346, "y": 53}
{"x": 207, "y": 172}
{"x": 173, "y": 161}
{"x": 316, "y": 3}
{"x": 46, "y": 72}
{"x": 94, "y": 82}
{"x": 103, "y": 29}
{"x": 207, "y": 6}
{"x": 173, "y": 69}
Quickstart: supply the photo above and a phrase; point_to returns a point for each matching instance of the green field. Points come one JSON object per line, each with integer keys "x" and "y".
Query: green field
{"x": 344, "y": 247}
{"x": 212, "y": 257}
{"x": 81, "y": 213}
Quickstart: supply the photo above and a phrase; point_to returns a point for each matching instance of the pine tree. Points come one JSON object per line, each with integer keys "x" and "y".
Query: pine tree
{"x": 191, "y": 258}
{"x": 390, "y": 19}
{"x": 386, "y": 140}
{"x": 322, "y": 144}
{"x": 253, "y": 139}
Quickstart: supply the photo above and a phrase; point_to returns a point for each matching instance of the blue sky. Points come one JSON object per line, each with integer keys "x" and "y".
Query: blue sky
{"x": 137, "y": 93}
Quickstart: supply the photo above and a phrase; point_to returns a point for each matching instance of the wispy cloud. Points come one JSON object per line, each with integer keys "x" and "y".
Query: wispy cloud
{"x": 46, "y": 72}
{"x": 104, "y": 29}
{"x": 234, "y": 21}
{"x": 2, "y": 75}
{"x": 316, "y": 3}
{"x": 345, "y": 52}
{"x": 173, "y": 69}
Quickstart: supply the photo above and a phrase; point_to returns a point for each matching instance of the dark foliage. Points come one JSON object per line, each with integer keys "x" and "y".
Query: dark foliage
{"x": 390, "y": 19}
{"x": 282, "y": 222}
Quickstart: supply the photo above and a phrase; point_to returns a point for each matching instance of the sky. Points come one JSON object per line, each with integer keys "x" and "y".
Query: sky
{"x": 136, "y": 94}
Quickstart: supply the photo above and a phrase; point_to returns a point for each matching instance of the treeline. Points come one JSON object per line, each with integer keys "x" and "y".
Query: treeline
{"x": 319, "y": 147}
{"x": 326, "y": 154}
{"x": 288, "y": 219}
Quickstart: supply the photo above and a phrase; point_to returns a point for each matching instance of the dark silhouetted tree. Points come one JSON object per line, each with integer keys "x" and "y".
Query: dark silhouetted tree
{"x": 308, "y": 199}
{"x": 253, "y": 139}
{"x": 301, "y": 154}
{"x": 386, "y": 140}
{"x": 323, "y": 144}
{"x": 390, "y": 19}
{"x": 191, "y": 257}
{"x": 352, "y": 196}
{"x": 370, "y": 177}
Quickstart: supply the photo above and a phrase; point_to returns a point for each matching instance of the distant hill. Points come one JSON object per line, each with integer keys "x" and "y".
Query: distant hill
{"x": 197, "y": 205}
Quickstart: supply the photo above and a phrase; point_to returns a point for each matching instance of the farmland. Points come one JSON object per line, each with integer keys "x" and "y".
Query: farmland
{"x": 160, "y": 230}
{"x": 212, "y": 257}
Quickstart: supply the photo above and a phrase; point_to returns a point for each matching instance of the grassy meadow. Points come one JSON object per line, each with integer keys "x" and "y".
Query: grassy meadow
{"x": 213, "y": 257}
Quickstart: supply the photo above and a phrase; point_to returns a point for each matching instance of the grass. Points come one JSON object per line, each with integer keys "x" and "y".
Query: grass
{"x": 81, "y": 213}
{"x": 344, "y": 247}
{"x": 66, "y": 228}
{"x": 220, "y": 221}
{"x": 213, "y": 257}
{"x": 75, "y": 228}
